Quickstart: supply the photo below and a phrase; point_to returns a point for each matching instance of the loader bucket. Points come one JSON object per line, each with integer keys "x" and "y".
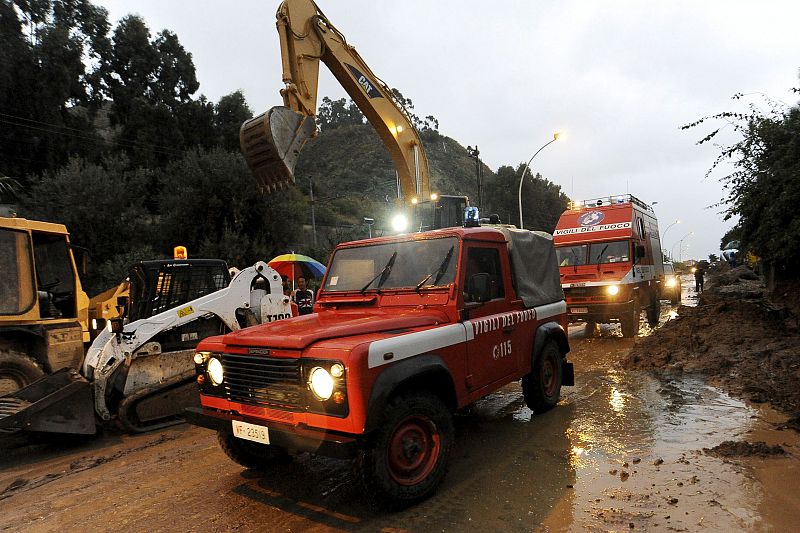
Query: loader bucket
{"x": 271, "y": 143}
{"x": 58, "y": 403}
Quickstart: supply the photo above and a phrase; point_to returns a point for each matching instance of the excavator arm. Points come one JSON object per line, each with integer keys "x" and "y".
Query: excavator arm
{"x": 272, "y": 141}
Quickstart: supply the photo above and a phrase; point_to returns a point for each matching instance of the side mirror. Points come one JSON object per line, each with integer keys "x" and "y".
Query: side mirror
{"x": 479, "y": 287}
{"x": 640, "y": 251}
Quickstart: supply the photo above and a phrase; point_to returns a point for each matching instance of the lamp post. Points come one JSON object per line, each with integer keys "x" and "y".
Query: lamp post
{"x": 475, "y": 153}
{"x": 664, "y": 235}
{"x": 527, "y": 166}
{"x": 679, "y": 243}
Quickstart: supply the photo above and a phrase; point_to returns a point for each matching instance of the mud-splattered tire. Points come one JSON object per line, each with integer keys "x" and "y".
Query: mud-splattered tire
{"x": 653, "y": 312}
{"x": 630, "y": 321}
{"x": 17, "y": 371}
{"x": 409, "y": 453}
{"x": 251, "y": 454}
{"x": 542, "y": 387}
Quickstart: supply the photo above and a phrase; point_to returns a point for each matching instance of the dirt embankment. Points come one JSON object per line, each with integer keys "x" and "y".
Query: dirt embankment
{"x": 743, "y": 341}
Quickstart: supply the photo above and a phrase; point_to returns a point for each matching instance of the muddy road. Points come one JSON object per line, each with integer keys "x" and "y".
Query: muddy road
{"x": 624, "y": 450}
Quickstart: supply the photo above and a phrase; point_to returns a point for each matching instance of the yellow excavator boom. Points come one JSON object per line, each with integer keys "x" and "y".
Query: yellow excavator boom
{"x": 272, "y": 141}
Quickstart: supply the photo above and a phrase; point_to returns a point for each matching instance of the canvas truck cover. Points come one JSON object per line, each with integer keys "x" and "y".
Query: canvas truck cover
{"x": 535, "y": 266}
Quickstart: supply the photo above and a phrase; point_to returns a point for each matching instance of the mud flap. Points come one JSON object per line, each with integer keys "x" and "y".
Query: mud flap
{"x": 567, "y": 374}
{"x": 58, "y": 403}
{"x": 271, "y": 143}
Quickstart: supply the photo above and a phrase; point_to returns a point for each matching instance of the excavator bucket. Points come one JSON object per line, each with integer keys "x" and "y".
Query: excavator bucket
{"x": 57, "y": 403}
{"x": 271, "y": 143}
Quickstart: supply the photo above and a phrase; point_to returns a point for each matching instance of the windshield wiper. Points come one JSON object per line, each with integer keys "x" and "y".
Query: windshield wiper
{"x": 439, "y": 272}
{"x": 600, "y": 255}
{"x": 383, "y": 274}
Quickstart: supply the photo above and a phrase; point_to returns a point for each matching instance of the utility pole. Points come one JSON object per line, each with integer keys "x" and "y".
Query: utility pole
{"x": 313, "y": 220}
{"x": 475, "y": 153}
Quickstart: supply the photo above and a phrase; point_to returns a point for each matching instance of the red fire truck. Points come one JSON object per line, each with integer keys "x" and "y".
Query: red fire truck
{"x": 405, "y": 330}
{"x": 609, "y": 254}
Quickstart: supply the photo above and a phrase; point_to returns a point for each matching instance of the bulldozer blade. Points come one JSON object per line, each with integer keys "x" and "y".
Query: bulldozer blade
{"x": 271, "y": 143}
{"x": 58, "y": 403}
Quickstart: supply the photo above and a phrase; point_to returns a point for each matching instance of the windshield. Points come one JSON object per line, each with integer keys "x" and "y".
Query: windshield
{"x": 571, "y": 255}
{"x": 16, "y": 281}
{"x": 609, "y": 252}
{"x": 352, "y": 269}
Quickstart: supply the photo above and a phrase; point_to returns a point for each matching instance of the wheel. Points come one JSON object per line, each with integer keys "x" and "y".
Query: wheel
{"x": 590, "y": 329}
{"x": 676, "y": 298}
{"x": 17, "y": 371}
{"x": 542, "y": 387}
{"x": 250, "y": 454}
{"x": 408, "y": 455}
{"x": 630, "y": 322}
{"x": 653, "y": 312}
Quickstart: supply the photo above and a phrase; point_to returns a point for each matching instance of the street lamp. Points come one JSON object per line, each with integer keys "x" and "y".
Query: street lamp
{"x": 369, "y": 222}
{"x": 679, "y": 243}
{"x": 527, "y": 165}
{"x": 664, "y": 235}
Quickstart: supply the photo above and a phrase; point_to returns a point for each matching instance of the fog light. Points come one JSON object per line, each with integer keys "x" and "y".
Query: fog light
{"x": 612, "y": 290}
{"x": 215, "y": 371}
{"x": 321, "y": 383}
{"x": 200, "y": 357}
{"x": 337, "y": 370}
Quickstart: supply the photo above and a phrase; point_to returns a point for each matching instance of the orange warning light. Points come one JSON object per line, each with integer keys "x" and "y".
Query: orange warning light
{"x": 179, "y": 252}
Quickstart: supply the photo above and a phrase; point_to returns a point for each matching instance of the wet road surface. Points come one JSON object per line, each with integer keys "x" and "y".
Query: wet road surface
{"x": 622, "y": 451}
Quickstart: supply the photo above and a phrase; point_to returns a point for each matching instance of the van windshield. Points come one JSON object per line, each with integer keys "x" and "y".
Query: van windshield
{"x": 610, "y": 252}
{"x": 571, "y": 255}
{"x": 409, "y": 262}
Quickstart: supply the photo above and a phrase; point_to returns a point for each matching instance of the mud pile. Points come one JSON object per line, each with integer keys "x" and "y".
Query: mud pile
{"x": 740, "y": 448}
{"x": 736, "y": 336}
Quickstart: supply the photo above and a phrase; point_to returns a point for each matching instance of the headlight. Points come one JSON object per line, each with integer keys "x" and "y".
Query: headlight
{"x": 399, "y": 223}
{"x": 671, "y": 282}
{"x": 612, "y": 290}
{"x": 200, "y": 357}
{"x": 337, "y": 370}
{"x": 215, "y": 371}
{"x": 321, "y": 383}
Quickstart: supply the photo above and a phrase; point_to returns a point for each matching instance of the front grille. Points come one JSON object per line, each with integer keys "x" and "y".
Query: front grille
{"x": 264, "y": 381}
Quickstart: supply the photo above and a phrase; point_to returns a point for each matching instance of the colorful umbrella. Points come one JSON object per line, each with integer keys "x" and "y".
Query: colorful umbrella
{"x": 294, "y": 265}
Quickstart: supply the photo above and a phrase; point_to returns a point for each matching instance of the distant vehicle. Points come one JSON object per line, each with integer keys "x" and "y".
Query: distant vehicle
{"x": 731, "y": 253}
{"x": 670, "y": 285}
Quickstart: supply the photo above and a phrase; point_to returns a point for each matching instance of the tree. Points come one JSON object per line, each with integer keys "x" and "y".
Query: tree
{"x": 542, "y": 200}
{"x": 337, "y": 113}
{"x": 102, "y": 206}
{"x": 713, "y": 258}
{"x": 763, "y": 189}
{"x": 229, "y": 114}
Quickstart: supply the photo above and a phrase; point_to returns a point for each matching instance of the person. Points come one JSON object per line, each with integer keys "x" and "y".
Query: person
{"x": 287, "y": 289}
{"x": 303, "y": 297}
{"x": 699, "y": 279}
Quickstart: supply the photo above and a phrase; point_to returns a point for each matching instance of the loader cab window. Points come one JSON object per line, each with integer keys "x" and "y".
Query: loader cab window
{"x": 484, "y": 261}
{"x": 55, "y": 276}
{"x": 16, "y": 269}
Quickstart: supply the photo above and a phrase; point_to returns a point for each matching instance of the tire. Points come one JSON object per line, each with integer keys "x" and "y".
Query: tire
{"x": 630, "y": 322}
{"x": 17, "y": 371}
{"x": 676, "y": 299}
{"x": 542, "y": 387}
{"x": 251, "y": 454}
{"x": 653, "y": 312}
{"x": 408, "y": 456}
{"x": 590, "y": 329}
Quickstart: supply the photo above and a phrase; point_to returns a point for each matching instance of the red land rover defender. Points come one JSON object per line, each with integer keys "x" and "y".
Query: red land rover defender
{"x": 405, "y": 330}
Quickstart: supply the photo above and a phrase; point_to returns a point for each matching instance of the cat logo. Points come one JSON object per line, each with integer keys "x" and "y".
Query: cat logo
{"x": 362, "y": 80}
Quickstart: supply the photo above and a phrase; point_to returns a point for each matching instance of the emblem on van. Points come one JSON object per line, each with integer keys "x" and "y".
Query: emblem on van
{"x": 591, "y": 218}
{"x": 258, "y": 351}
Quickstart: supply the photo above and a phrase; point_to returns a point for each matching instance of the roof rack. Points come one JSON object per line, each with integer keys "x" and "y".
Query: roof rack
{"x": 613, "y": 200}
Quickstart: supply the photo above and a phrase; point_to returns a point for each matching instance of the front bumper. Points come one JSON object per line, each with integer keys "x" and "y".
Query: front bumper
{"x": 597, "y": 312}
{"x": 298, "y": 438}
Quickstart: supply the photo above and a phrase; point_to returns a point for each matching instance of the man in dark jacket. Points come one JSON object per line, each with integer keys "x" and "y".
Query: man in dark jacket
{"x": 699, "y": 276}
{"x": 303, "y": 297}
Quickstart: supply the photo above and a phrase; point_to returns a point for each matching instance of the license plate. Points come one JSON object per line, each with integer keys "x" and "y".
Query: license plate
{"x": 578, "y": 310}
{"x": 252, "y": 432}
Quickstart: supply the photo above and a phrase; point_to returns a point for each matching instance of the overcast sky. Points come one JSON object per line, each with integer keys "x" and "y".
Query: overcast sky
{"x": 620, "y": 77}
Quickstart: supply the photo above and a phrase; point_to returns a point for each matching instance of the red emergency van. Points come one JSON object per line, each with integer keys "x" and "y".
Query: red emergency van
{"x": 609, "y": 255}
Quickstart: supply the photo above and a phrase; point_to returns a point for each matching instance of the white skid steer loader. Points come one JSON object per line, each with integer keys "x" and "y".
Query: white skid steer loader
{"x": 141, "y": 373}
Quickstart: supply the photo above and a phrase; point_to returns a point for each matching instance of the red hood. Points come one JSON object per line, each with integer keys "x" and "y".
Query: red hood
{"x": 300, "y": 332}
